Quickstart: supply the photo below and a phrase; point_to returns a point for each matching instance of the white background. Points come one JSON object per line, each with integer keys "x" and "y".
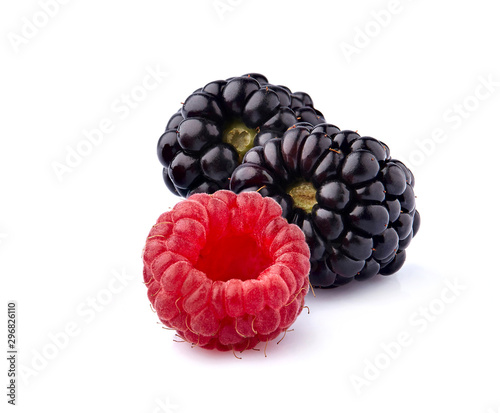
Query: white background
{"x": 64, "y": 240}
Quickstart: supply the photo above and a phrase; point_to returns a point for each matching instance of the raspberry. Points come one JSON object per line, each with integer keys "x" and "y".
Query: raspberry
{"x": 226, "y": 271}
{"x": 207, "y": 138}
{"x": 354, "y": 203}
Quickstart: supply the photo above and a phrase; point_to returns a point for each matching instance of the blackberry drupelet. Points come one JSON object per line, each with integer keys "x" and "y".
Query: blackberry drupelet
{"x": 207, "y": 138}
{"x": 354, "y": 203}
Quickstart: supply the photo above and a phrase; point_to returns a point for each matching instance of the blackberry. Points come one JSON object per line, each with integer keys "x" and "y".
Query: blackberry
{"x": 354, "y": 203}
{"x": 207, "y": 138}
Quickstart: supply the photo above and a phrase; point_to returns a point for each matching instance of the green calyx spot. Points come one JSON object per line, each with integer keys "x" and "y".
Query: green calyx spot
{"x": 303, "y": 195}
{"x": 240, "y": 137}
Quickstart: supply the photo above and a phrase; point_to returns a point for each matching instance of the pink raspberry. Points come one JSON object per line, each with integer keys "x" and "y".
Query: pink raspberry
{"x": 226, "y": 271}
